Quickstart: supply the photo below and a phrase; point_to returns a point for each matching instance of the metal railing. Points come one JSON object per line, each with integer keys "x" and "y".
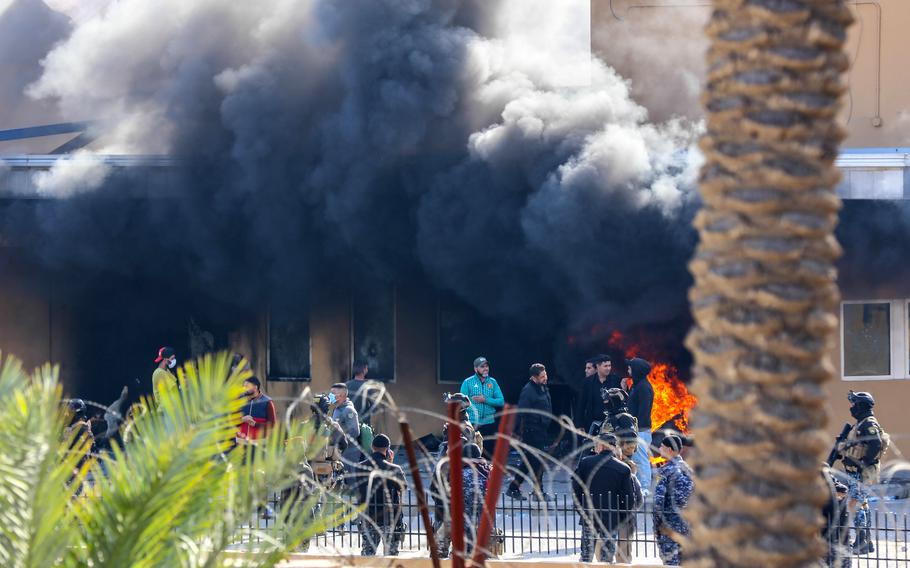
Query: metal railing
{"x": 554, "y": 528}
{"x": 522, "y": 528}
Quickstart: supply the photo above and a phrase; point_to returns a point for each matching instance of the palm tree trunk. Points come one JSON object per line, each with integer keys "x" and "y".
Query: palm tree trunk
{"x": 765, "y": 294}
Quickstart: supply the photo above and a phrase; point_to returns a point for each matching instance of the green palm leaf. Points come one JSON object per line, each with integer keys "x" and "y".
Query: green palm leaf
{"x": 172, "y": 493}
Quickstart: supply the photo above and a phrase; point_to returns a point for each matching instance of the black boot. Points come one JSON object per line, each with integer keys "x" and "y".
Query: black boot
{"x": 863, "y": 544}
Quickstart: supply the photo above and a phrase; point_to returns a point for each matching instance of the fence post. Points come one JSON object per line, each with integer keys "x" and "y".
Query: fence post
{"x": 494, "y": 485}
{"x": 456, "y": 486}
{"x": 418, "y": 487}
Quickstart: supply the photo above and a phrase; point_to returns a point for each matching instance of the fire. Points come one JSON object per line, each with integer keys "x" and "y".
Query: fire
{"x": 672, "y": 400}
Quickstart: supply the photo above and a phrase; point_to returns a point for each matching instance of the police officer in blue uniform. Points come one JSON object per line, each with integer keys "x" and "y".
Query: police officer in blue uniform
{"x": 671, "y": 496}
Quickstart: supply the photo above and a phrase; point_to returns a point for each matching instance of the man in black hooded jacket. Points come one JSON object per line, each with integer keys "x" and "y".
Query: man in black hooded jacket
{"x": 641, "y": 399}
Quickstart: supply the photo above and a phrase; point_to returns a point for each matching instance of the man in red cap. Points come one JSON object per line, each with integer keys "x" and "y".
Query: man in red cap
{"x": 163, "y": 379}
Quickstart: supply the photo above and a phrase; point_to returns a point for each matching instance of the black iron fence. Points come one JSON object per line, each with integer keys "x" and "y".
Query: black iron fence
{"x": 522, "y": 528}
{"x": 554, "y": 528}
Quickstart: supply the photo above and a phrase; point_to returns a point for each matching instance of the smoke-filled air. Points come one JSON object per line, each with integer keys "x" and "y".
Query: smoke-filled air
{"x": 439, "y": 138}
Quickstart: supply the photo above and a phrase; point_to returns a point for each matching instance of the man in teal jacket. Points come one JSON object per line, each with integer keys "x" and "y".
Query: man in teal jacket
{"x": 486, "y": 400}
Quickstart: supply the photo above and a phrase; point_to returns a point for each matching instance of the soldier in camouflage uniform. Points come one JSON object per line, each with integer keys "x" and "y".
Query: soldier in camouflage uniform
{"x": 861, "y": 453}
{"x": 475, "y": 472}
{"x": 468, "y": 431}
{"x": 671, "y": 496}
{"x": 378, "y": 484}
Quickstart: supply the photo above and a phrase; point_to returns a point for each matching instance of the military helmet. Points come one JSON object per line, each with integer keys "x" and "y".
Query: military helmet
{"x": 458, "y": 397}
{"x": 76, "y": 406}
{"x": 471, "y": 451}
{"x": 861, "y": 398}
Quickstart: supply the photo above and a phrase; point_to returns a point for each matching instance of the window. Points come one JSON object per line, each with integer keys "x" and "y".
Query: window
{"x": 874, "y": 339}
{"x": 289, "y": 346}
{"x": 463, "y": 334}
{"x": 373, "y": 331}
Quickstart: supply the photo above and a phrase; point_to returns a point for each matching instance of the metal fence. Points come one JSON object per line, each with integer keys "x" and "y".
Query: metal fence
{"x": 890, "y": 532}
{"x": 553, "y": 529}
{"x": 525, "y": 528}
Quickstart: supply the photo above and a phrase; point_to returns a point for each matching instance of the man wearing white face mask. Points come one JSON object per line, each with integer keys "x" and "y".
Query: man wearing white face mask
{"x": 347, "y": 425}
{"x": 163, "y": 379}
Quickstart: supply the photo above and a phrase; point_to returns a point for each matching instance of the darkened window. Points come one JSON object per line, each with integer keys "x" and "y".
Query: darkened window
{"x": 463, "y": 336}
{"x": 373, "y": 331}
{"x": 867, "y": 339}
{"x": 289, "y": 346}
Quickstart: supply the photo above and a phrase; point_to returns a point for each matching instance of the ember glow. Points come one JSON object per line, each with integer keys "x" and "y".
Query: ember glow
{"x": 672, "y": 400}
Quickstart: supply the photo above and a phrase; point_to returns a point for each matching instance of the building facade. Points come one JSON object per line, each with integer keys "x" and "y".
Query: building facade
{"x": 420, "y": 342}
{"x": 658, "y": 45}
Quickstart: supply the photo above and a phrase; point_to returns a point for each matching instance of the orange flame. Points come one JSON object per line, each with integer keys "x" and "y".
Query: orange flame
{"x": 671, "y": 398}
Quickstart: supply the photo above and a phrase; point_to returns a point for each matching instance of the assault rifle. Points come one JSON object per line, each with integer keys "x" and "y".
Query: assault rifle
{"x": 835, "y": 452}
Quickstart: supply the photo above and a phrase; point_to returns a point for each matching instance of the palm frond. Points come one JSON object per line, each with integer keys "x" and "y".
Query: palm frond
{"x": 40, "y": 468}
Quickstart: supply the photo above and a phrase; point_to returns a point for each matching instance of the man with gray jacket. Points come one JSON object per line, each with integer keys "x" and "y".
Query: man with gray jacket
{"x": 347, "y": 426}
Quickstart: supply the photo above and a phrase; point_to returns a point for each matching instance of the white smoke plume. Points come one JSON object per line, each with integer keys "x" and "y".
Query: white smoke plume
{"x": 80, "y": 172}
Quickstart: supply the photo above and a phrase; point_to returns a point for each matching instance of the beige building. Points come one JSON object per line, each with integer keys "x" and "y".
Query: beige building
{"x": 658, "y": 45}
{"x": 421, "y": 342}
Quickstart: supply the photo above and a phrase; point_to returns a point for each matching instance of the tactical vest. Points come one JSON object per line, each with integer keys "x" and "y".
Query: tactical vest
{"x": 857, "y": 444}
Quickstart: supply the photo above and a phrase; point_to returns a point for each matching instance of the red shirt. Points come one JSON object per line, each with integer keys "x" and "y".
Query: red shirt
{"x": 262, "y": 409}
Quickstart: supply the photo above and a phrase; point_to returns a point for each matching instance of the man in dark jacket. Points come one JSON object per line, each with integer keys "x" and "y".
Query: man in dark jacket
{"x": 641, "y": 399}
{"x": 366, "y": 395}
{"x": 594, "y": 391}
{"x": 378, "y": 484}
{"x": 535, "y": 410}
{"x": 605, "y": 496}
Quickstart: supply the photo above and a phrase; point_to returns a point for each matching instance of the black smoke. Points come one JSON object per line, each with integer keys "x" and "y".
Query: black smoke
{"x": 875, "y": 236}
{"x": 323, "y": 143}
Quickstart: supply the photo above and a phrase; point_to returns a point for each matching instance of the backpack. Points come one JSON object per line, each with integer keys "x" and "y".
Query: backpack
{"x": 366, "y": 437}
{"x": 885, "y": 439}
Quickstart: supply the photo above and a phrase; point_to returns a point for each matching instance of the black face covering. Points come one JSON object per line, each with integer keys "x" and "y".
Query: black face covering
{"x": 860, "y": 411}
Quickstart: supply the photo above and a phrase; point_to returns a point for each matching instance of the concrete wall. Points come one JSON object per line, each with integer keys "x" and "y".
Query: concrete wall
{"x": 330, "y": 334}
{"x": 659, "y": 46}
{"x": 33, "y": 327}
{"x": 878, "y": 108}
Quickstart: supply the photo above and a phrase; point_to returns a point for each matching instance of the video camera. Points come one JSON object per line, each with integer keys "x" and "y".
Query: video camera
{"x": 458, "y": 397}
{"x": 321, "y": 403}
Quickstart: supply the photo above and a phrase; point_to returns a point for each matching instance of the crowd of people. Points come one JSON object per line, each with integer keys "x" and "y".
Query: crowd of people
{"x": 612, "y": 477}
